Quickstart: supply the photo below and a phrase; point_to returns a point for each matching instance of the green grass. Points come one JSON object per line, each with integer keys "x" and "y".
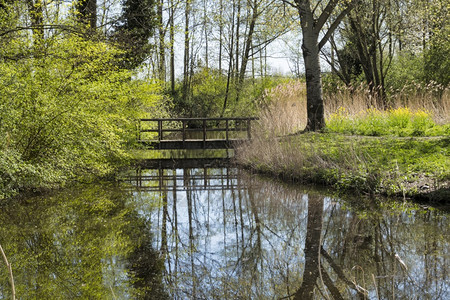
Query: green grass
{"x": 394, "y": 122}
{"x": 404, "y": 166}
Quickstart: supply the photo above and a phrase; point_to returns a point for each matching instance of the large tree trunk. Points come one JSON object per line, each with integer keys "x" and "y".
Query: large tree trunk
{"x": 311, "y": 28}
{"x": 314, "y": 96}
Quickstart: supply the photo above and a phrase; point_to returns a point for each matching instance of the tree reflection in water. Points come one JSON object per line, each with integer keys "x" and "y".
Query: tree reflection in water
{"x": 85, "y": 243}
{"x": 220, "y": 234}
{"x": 230, "y": 235}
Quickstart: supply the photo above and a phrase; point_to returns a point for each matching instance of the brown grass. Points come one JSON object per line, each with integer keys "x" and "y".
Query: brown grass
{"x": 284, "y": 111}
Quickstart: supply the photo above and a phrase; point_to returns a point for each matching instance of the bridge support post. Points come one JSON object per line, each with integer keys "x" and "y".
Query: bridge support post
{"x": 204, "y": 134}
{"x": 184, "y": 132}
{"x": 226, "y": 131}
{"x": 160, "y": 133}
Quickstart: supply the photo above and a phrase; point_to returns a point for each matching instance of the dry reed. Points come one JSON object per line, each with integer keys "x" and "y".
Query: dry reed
{"x": 284, "y": 111}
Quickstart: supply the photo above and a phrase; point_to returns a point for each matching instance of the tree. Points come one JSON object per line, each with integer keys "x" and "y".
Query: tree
{"x": 135, "y": 26}
{"x": 313, "y": 20}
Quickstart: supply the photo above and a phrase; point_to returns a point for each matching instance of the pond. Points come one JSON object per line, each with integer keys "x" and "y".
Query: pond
{"x": 220, "y": 233}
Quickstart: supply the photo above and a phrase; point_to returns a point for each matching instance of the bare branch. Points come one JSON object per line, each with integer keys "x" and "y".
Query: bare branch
{"x": 48, "y": 26}
{"x": 325, "y": 15}
{"x": 336, "y": 23}
{"x": 289, "y": 3}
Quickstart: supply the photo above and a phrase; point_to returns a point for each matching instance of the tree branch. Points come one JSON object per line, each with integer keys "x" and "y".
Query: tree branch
{"x": 289, "y": 3}
{"x": 336, "y": 23}
{"x": 325, "y": 15}
{"x": 11, "y": 278}
{"x": 20, "y": 28}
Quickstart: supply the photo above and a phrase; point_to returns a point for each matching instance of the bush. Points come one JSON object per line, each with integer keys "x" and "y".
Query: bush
{"x": 66, "y": 111}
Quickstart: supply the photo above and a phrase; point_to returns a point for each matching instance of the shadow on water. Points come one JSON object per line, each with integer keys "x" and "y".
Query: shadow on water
{"x": 217, "y": 232}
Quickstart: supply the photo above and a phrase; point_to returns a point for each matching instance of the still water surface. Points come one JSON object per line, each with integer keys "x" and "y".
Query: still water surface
{"x": 220, "y": 233}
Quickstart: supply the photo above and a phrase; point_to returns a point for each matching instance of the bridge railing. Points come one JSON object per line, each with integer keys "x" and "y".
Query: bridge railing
{"x": 189, "y": 129}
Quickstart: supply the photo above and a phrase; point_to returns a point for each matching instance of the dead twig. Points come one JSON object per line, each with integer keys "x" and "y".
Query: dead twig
{"x": 11, "y": 277}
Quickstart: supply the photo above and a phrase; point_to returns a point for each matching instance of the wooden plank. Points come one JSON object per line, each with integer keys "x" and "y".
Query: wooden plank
{"x": 198, "y": 119}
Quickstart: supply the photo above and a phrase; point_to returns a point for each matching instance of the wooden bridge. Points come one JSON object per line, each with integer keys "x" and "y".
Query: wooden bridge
{"x": 194, "y": 133}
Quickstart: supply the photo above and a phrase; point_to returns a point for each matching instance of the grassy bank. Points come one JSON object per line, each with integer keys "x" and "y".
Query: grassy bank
{"x": 383, "y": 165}
{"x": 401, "y": 152}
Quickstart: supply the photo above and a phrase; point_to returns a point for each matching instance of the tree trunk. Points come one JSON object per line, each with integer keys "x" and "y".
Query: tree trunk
{"x": 172, "y": 50}
{"x": 230, "y": 66}
{"x": 205, "y": 28}
{"x": 311, "y": 29}
{"x": 248, "y": 47}
{"x": 314, "y": 96}
{"x": 35, "y": 10}
{"x": 220, "y": 35}
{"x": 186, "y": 52}
{"x": 162, "y": 46}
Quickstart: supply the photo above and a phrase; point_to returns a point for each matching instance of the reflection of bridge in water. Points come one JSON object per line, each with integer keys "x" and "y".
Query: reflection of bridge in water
{"x": 187, "y": 175}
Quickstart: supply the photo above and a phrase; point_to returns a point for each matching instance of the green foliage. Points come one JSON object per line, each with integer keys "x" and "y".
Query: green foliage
{"x": 437, "y": 62}
{"x": 437, "y": 54}
{"x": 66, "y": 111}
{"x": 85, "y": 242}
{"x": 405, "y": 69}
{"x": 208, "y": 89}
{"x": 136, "y": 25}
{"x": 396, "y": 122}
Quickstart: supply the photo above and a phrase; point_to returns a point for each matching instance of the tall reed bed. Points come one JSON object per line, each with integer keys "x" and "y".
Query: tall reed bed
{"x": 284, "y": 108}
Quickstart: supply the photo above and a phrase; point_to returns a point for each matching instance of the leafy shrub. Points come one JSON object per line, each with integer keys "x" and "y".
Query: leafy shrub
{"x": 66, "y": 111}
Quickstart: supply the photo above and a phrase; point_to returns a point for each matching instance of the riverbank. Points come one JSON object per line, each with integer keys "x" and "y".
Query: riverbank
{"x": 408, "y": 167}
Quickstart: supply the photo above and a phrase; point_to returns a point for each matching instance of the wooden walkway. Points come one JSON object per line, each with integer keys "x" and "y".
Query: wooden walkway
{"x": 194, "y": 133}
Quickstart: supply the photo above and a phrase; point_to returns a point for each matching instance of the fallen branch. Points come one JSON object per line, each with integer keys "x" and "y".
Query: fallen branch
{"x": 11, "y": 278}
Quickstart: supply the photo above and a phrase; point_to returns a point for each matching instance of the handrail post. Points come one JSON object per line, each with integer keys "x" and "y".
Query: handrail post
{"x": 159, "y": 130}
{"x": 226, "y": 130}
{"x": 139, "y": 130}
{"x": 204, "y": 133}
{"x": 184, "y": 131}
{"x": 249, "y": 128}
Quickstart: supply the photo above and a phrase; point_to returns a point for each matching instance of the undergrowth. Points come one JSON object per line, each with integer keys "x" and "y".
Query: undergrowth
{"x": 395, "y": 122}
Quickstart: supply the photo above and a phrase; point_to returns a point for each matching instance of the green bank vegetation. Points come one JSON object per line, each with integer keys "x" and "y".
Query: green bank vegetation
{"x": 399, "y": 151}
